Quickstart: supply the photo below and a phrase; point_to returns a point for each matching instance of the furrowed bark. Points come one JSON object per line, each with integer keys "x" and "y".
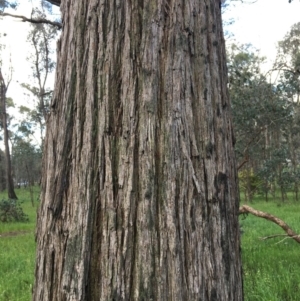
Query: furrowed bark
{"x": 140, "y": 199}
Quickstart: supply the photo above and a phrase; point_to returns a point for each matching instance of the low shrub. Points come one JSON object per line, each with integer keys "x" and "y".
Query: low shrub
{"x": 11, "y": 211}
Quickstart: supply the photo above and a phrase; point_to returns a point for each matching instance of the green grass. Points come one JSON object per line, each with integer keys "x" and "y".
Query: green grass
{"x": 17, "y": 251}
{"x": 25, "y": 200}
{"x": 271, "y": 267}
{"x": 17, "y": 257}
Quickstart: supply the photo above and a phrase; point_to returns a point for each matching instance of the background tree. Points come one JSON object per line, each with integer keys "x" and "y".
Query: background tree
{"x": 262, "y": 118}
{"x": 27, "y": 164}
{"x": 9, "y": 178}
{"x": 288, "y": 66}
{"x": 4, "y": 4}
{"x": 41, "y": 37}
{"x": 140, "y": 200}
{"x": 2, "y": 171}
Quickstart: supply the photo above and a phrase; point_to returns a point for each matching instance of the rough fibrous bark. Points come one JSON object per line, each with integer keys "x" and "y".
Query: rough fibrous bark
{"x": 140, "y": 200}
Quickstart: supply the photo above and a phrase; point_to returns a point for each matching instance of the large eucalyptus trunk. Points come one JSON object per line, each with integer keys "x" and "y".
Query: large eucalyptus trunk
{"x": 140, "y": 199}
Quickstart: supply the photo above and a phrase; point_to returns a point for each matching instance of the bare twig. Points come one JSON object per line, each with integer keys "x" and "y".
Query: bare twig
{"x": 31, "y": 20}
{"x": 272, "y": 236}
{"x": 284, "y": 239}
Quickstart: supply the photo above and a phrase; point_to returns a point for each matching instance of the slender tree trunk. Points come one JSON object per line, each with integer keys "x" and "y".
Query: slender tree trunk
{"x": 9, "y": 179}
{"x": 2, "y": 171}
{"x": 294, "y": 159}
{"x": 140, "y": 198}
{"x": 30, "y": 184}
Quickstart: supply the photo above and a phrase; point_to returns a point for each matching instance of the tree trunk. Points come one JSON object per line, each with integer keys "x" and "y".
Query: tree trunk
{"x": 140, "y": 198}
{"x": 2, "y": 171}
{"x": 9, "y": 179}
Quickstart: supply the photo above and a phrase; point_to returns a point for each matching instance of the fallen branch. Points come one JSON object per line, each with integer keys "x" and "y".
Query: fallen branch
{"x": 287, "y": 229}
{"x": 35, "y": 21}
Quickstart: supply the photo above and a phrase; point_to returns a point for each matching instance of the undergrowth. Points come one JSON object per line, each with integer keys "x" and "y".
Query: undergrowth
{"x": 11, "y": 211}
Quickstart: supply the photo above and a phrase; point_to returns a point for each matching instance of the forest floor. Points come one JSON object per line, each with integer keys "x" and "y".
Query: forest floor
{"x": 271, "y": 266}
{"x": 17, "y": 250}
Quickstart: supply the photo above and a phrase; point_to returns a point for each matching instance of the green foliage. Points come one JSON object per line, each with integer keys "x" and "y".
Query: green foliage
{"x": 9, "y": 102}
{"x": 288, "y": 48}
{"x": 27, "y": 161}
{"x": 11, "y": 210}
{"x": 259, "y": 109}
{"x": 277, "y": 158}
{"x": 4, "y": 4}
{"x": 266, "y": 116}
{"x": 249, "y": 183}
{"x": 243, "y": 65}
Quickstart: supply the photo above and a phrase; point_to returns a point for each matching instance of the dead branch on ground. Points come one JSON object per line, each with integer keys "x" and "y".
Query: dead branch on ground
{"x": 287, "y": 229}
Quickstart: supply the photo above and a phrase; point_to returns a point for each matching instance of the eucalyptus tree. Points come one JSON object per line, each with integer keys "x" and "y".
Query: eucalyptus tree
{"x": 4, "y": 84}
{"x": 262, "y": 117}
{"x": 26, "y": 159}
{"x": 288, "y": 66}
{"x": 7, "y": 4}
{"x": 140, "y": 198}
{"x": 2, "y": 171}
{"x": 41, "y": 37}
